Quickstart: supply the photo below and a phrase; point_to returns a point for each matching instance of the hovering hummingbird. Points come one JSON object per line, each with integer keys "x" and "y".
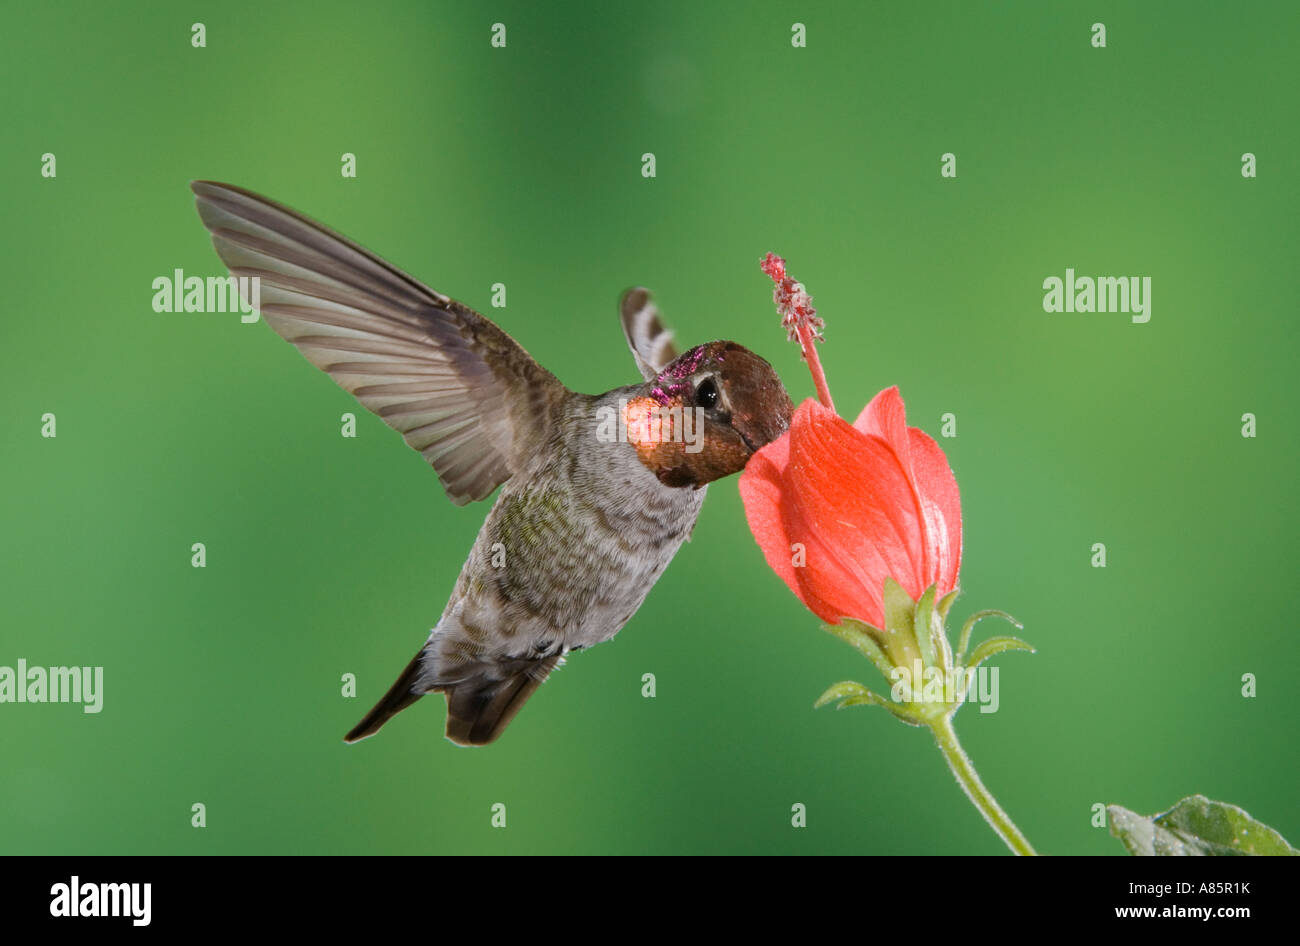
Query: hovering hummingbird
{"x": 585, "y": 523}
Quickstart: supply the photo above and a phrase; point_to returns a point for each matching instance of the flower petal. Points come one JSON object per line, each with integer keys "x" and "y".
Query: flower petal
{"x": 779, "y": 519}
{"x": 933, "y": 482}
{"x": 885, "y": 417}
{"x": 762, "y": 490}
{"x": 854, "y": 509}
{"x": 941, "y": 507}
{"x": 866, "y": 501}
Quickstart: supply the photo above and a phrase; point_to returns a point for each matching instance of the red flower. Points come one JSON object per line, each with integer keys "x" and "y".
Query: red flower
{"x": 837, "y": 508}
{"x": 867, "y": 501}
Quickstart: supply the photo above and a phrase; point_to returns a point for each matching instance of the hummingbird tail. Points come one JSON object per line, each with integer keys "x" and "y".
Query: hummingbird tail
{"x": 480, "y": 708}
{"x": 399, "y": 696}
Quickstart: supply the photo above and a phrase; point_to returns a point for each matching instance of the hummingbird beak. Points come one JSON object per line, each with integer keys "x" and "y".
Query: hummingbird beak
{"x": 761, "y": 409}
{"x": 767, "y": 421}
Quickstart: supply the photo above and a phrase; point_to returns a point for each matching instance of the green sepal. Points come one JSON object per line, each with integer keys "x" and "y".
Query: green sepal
{"x": 902, "y": 641}
{"x": 864, "y": 638}
{"x": 994, "y": 646}
{"x": 923, "y": 627}
{"x": 964, "y": 641}
{"x": 945, "y": 604}
{"x": 930, "y": 621}
{"x": 849, "y": 693}
{"x": 1196, "y": 826}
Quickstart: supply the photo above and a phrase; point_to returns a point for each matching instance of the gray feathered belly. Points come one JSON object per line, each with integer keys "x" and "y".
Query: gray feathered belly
{"x": 563, "y": 562}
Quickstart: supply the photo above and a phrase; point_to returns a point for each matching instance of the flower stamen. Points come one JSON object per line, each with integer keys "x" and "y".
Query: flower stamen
{"x": 800, "y": 319}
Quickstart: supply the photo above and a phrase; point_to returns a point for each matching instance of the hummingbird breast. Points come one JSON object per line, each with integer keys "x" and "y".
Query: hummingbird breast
{"x": 568, "y": 553}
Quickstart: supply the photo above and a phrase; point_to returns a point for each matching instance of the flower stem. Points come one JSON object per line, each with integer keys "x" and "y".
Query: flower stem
{"x": 970, "y": 783}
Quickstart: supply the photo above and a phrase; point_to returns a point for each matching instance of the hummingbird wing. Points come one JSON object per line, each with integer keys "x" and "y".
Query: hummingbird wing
{"x": 460, "y": 390}
{"x": 652, "y": 344}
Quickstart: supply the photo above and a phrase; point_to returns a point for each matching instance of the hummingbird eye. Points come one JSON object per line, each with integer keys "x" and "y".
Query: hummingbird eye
{"x": 706, "y": 395}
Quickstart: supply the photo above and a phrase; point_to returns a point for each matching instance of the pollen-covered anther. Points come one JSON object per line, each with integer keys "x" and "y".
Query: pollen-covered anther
{"x": 799, "y": 319}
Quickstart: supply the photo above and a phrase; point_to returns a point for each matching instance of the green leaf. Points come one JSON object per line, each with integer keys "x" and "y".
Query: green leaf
{"x": 974, "y": 619}
{"x": 1196, "y": 826}
{"x": 994, "y": 646}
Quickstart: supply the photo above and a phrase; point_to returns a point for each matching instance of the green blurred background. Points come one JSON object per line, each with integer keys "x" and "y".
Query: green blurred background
{"x": 522, "y": 165}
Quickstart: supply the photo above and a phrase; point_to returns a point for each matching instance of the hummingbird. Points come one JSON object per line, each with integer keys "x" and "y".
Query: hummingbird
{"x": 595, "y": 496}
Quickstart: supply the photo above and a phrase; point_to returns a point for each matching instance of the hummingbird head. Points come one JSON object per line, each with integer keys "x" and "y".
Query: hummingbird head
{"x": 707, "y": 413}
